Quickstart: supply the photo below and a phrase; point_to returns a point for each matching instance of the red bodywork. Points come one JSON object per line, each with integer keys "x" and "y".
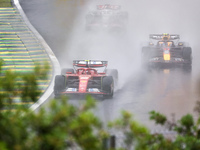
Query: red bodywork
{"x": 84, "y": 75}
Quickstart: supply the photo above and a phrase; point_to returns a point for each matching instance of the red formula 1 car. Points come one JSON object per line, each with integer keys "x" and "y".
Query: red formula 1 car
{"x": 86, "y": 78}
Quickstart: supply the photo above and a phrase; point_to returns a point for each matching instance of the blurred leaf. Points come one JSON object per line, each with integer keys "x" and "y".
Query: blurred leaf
{"x": 158, "y": 118}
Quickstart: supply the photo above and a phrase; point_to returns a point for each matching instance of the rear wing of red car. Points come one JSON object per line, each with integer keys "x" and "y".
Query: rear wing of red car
{"x": 108, "y": 6}
{"x": 90, "y": 63}
{"x": 164, "y": 37}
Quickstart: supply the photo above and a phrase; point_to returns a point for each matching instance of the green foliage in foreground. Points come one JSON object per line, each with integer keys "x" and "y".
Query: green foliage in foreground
{"x": 23, "y": 85}
{"x": 63, "y": 126}
{"x": 5, "y": 3}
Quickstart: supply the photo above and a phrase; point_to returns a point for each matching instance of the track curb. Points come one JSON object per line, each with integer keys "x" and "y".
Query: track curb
{"x": 54, "y": 61}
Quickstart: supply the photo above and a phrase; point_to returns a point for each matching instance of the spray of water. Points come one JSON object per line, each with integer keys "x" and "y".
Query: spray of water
{"x": 62, "y": 24}
{"x": 123, "y": 51}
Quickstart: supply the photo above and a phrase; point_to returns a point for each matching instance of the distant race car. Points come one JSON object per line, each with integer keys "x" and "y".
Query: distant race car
{"x": 166, "y": 53}
{"x": 87, "y": 77}
{"x": 107, "y": 17}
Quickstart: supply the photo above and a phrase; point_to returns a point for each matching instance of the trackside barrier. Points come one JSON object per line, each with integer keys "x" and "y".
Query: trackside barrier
{"x": 55, "y": 64}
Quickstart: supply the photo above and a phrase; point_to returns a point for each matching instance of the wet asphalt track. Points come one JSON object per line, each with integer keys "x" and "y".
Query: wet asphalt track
{"x": 140, "y": 91}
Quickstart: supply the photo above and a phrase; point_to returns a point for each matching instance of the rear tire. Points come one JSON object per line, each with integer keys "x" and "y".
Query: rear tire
{"x": 59, "y": 85}
{"x": 108, "y": 86}
{"x": 65, "y": 70}
{"x": 187, "y": 54}
{"x": 114, "y": 74}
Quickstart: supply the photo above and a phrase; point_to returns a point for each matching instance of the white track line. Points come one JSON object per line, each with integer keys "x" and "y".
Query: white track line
{"x": 55, "y": 63}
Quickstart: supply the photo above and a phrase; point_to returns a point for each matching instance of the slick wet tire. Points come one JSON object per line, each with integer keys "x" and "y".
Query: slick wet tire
{"x": 59, "y": 85}
{"x": 108, "y": 86}
{"x": 187, "y": 54}
{"x": 65, "y": 70}
{"x": 114, "y": 74}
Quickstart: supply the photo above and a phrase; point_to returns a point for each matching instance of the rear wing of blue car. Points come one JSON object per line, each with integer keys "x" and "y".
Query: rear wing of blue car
{"x": 90, "y": 63}
{"x": 164, "y": 37}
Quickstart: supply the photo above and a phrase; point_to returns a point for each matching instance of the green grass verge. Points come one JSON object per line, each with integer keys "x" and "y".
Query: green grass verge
{"x": 5, "y": 3}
